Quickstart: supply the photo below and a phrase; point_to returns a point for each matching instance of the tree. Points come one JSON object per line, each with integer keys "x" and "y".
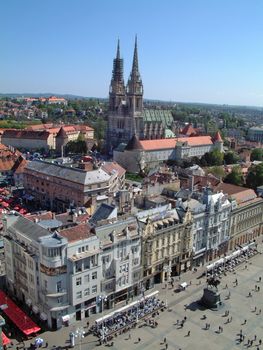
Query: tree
{"x": 235, "y": 177}
{"x": 256, "y": 154}
{"x": 212, "y": 158}
{"x": 255, "y": 176}
{"x": 231, "y": 158}
{"x": 78, "y": 147}
{"x": 217, "y": 171}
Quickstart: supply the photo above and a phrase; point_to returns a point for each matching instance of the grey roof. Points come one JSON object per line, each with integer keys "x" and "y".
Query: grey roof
{"x": 72, "y": 174}
{"x": 20, "y": 224}
{"x": 102, "y": 213}
{"x": 50, "y": 224}
{"x": 117, "y": 227}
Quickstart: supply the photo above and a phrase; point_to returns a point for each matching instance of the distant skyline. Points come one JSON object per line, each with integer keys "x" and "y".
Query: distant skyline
{"x": 189, "y": 51}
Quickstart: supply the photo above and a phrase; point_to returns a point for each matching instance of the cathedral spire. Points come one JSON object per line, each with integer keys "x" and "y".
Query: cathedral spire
{"x": 117, "y": 87}
{"x": 135, "y": 64}
{"x": 118, "y": 56}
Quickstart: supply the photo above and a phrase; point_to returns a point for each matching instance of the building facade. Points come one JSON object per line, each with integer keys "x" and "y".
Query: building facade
{"x": 139, "y": 155}
{"x": 211, "y": 224}
{"x": 166, "y": 243}
{"x": 57, "y": 187}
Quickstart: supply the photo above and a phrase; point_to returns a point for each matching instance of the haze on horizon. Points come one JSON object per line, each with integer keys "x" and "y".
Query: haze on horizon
{"x": 189, "y": 51}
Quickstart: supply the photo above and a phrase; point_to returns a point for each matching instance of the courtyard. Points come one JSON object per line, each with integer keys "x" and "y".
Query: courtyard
{"x": 244, "y": 315}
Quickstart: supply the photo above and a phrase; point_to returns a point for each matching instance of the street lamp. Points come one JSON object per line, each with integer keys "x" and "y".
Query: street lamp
{"x": 167, "y": 269}
{"x": 80, "y": 333}
{"x": 102, "y": 299}
{"x": 2, "y": 323}
{"x": 141, "y": 292}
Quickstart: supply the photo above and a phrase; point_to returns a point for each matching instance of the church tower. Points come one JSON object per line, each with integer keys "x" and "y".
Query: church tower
{"x": 134, "y": 93}
{"x": 117, "y": 87}
{"x": 125, "y": 104}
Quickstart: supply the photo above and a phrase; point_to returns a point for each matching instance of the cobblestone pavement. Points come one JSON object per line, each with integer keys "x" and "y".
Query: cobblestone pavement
{"x": 241, "y": 307}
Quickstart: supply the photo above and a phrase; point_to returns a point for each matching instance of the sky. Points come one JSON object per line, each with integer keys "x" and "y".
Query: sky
{"x": 207, "y": 51}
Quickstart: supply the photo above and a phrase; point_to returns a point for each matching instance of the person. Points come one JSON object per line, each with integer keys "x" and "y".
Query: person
{"x": 139, "y": 339}
{"x": 166, "y": 346}
{"x": 164, "y": 340}
{"x": 188, "y": 334}
{"x": 259, "y": 279}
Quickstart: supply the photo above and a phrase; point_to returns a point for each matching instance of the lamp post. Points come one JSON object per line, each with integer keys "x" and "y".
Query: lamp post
{"x": 167, "y": 269}
{"x": 102, "y": 299}
{"x": 141, "y": 293}
{"x": 2, "y": 323}
{"x": 79, "y": 334}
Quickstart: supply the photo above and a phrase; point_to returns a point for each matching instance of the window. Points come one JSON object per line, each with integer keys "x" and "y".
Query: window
{"x": 59, "y": 300}
{"x": 59, "y": 286}
{"x": 86, "y": 278}
{"x": 78, "y": 281}
{"x": 86, "y": 292}
{"x": 79, "y": 295}
{"x": 94, "y": 289}
{"x": 45, "y": 284}
{"x": 94, "y": 275}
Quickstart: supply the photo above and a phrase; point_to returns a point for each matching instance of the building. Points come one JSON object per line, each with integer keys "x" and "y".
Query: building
{"x": 211, "y": 224}
{"x": 139, "y": 155}
{"x": 126, "y": 116}
{"x": 166, "y": 243}
{"x": 65, "y": 276}
{"x": 46, "y": 136}
{"x": 58, "y": 187}
{"x": 120, "y": 260}
{"x": 246, "y": 214}
{"x": 255, "y": 134}
{"x": 57, "y": 275}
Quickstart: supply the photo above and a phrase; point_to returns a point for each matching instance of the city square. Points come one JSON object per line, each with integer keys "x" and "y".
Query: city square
{"x": 242, "y": 317}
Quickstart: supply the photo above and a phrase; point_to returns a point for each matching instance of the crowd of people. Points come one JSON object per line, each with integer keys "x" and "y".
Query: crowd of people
{"x": 229, "y": 263}
{"x": 121, "y": 322}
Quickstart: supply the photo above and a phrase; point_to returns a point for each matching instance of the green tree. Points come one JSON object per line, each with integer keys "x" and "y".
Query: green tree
{"x": 255, "y": 176}
{"x": 212, "y": 158}
{"x": 235, "y": 177}
{"x": 256, "y": 154}
{"x": 76, "y": 147}
{"x": 231, "y": 158}
{"x": 217, "y": 171}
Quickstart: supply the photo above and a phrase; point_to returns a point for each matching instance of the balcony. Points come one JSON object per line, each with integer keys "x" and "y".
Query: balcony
{"x": 56, "y": 294}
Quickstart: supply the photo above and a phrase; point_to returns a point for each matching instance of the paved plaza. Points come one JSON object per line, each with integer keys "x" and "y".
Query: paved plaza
{"x": 241, "y": 308}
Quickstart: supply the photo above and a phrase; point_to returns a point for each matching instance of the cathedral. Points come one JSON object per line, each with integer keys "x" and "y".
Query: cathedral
{"x": 126, "y": 116}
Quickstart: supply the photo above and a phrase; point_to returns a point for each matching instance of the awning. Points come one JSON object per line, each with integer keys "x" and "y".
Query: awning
{"x": 17, "y": 316}
{"x": 43, "y": 316}
{"x": 29, "y": 302}
{"x": 65, "y": 318}
{"x": 35, "y": 309}
{"x": 6, "y": 340}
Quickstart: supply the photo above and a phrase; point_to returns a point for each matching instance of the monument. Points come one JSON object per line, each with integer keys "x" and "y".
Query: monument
{"x": 211, "y": 296}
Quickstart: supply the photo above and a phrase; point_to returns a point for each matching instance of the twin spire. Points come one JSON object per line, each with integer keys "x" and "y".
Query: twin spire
{"x": 135, "y": 75}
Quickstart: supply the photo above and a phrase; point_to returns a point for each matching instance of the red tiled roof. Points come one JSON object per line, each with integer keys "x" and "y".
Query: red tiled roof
{"x": 26, "y": 134}
{"x": 152, "y": 145}
{"x": 218, "y": 137}
{"x": 110, "y": 167}
{"x": 42, "y": 216}
{"x": 188, "y": 130}
{"x": 76, "y": 233}
{"x": 240, "y": 194}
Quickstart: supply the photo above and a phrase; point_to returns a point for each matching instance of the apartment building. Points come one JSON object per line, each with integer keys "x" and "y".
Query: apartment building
{"x": 166, "y": 243}
{"x": 57, "y": 187}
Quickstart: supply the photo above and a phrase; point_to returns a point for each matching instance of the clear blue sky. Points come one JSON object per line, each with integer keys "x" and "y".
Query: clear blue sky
{"x": 189, "y": 50}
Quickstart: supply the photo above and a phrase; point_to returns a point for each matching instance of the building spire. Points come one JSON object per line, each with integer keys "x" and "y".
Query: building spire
{"x": 135, "y": 64}
{"x": 118, "y": 56}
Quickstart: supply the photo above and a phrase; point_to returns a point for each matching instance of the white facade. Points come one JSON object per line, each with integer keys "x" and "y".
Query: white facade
{"x": 211, "y": 221}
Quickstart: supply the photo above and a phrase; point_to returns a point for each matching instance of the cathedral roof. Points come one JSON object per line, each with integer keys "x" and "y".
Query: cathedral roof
{"x": 158, "y": 115}
{"x": 134, "y": 143}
